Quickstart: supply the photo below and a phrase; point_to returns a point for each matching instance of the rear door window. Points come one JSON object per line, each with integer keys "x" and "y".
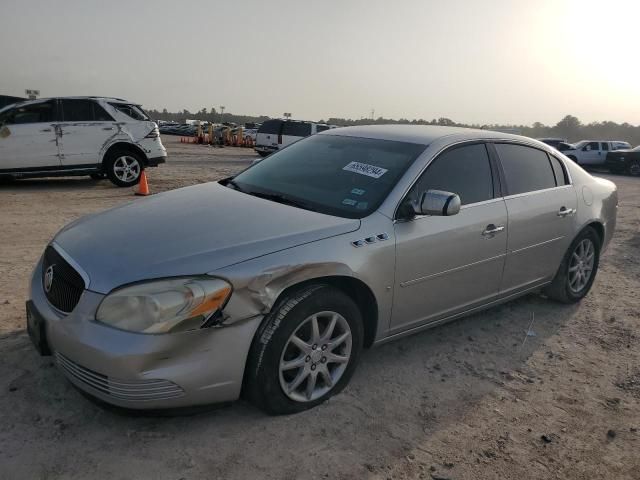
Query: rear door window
{"x": 605, "y": 146}
{"x": 296, "y": 129}
{"x": 42, "y": 112}
{"x": 526, "y": 169}
{"x": 82, "y": 110}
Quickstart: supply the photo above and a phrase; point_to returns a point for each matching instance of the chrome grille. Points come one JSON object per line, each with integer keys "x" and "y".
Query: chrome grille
{"x": 138, "y": 390}
{"x": 64, "y": 286}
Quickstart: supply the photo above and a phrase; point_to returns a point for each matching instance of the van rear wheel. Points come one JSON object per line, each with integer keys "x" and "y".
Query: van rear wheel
{"x": 124, "y": 168}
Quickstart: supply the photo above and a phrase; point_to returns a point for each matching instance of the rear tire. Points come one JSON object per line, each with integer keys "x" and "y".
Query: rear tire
{"x": 293, "y": 366}
{"x": 577, "y": 270}
{"x": 634, "y": 168}
{"x": 264, "y": 154}
{"x": 124, "y": 167}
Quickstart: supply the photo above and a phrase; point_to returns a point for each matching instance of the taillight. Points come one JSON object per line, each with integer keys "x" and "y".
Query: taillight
{"x": 155, "y": 133}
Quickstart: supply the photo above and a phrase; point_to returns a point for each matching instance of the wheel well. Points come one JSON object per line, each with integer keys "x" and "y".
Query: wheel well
{"x": 597, "y": 226}
{"x": 125, "y": 146}
{"x": 358, "y": 291}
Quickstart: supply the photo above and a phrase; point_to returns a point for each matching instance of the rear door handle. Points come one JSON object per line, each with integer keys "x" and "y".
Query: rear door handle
{"x": 492, "y": 229}
{"x": 108, "y": 128}
{"x": 564, "y": 212}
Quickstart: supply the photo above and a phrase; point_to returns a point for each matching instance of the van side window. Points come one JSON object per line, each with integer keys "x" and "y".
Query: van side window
{"x": 526, "y": 169}
{"x": 42, "y": 112}
{"x": 77, "y": 110}
{"x": 296, "y": 129}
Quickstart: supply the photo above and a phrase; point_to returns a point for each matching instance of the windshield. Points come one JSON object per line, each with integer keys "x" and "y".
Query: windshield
{"x": 341, "y": 176}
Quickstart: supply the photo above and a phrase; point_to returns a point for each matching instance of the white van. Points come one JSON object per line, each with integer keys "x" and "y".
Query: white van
{"x": 276, "y": 134}
{"x": 94, "y": 136}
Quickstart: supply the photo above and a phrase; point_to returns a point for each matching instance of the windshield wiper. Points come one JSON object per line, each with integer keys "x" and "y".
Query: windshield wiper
{"x": 279, "y": 198}
{"x": 231, "y": 182}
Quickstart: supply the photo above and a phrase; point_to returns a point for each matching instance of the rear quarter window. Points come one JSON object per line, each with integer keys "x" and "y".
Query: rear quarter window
{"x": 131, "y": 111}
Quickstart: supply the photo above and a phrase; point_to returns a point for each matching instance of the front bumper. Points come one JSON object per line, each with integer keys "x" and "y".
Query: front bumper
{"x": 142, "y": 371}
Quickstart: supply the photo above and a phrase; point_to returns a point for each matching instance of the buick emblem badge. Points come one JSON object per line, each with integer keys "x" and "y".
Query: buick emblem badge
{"x": 48, "y": 278}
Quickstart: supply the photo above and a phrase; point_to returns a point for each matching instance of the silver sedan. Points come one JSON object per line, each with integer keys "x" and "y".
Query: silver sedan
{"x": 269, "y": 284}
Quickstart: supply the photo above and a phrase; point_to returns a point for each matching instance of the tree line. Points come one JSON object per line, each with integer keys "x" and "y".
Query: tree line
{"x": 570, "y": 127}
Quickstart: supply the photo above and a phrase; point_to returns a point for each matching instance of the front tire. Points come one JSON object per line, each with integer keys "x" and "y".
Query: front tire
{"x": 305, "y": 352}
{"x": 634, "y": 168}
{"x": 124, "y": 168}
{"x": 578, "y": 269}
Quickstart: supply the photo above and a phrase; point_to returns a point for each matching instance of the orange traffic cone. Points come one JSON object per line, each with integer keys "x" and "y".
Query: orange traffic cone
{"x": 143, "y": 186}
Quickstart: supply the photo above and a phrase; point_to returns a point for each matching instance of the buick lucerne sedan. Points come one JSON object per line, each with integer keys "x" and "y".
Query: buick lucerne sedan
{"x": 269, "y": 284}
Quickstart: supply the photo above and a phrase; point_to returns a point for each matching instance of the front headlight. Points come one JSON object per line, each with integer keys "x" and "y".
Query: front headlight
{"x": 164, "y": 306}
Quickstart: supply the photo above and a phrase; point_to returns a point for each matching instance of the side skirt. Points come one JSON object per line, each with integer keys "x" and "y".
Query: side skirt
{"x": 453, "y": 317}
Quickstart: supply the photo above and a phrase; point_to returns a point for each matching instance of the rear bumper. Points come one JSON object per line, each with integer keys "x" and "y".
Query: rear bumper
{"x": 140, "y": 371}
{"x": 265, "y": 149}
{"x": 155, "y": 161}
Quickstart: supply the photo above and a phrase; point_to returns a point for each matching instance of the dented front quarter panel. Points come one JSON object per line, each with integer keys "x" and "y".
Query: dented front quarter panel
{"x": 258, "y": 283}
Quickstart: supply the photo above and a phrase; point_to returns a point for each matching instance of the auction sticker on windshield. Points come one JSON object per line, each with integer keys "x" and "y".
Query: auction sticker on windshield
{"x": 365, "y": 169}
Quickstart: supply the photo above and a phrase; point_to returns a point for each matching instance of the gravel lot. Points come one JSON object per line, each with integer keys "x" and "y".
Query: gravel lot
{"x": 471, "y": 399}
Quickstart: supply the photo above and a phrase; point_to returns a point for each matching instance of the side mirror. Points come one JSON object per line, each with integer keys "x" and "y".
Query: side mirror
{"x": 438, "y": 203}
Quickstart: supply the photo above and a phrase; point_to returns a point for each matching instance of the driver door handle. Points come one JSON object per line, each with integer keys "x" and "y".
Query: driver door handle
{"x": 492, "y": 229}
{"x": 564, "y": 212}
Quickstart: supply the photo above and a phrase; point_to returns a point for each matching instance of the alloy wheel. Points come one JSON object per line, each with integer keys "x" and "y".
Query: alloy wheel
{"x": 126, "y": 168}
{"x": 315, "y": 356}
{"x": 634, "y": 169}
{"x": 581, "y": 265}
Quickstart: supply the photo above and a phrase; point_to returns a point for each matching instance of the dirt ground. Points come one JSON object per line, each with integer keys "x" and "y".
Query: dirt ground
{"x": 474, "y": 399}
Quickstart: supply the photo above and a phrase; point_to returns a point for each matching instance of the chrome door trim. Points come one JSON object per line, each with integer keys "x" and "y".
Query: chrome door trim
{"x": 408, "y": 283}
{"x": 463, "y": 207}
{"x": 533, "y": 192}
{"x": 450, "y": 318}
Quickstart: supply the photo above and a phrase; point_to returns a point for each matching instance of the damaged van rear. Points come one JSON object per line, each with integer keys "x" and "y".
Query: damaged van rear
{"x": 71, "y": 136}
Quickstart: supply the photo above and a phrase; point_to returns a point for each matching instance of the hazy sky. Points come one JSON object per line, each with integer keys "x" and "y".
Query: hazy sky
{"x": 482, "y": 61}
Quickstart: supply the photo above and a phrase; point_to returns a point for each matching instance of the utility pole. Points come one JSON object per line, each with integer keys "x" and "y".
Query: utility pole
{"x": 373, "y": 113}
{"x": 221, "y": 112}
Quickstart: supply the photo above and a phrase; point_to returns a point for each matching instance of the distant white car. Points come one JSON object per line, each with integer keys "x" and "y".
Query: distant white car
{"x": 594, "y": 152}
{"x": 274, "y": 135}
{"x": 94, "y": 136}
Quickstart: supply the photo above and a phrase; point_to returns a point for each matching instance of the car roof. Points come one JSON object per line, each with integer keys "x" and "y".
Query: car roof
{"x": 420, "y": 134}
{"x": 85, "y": 97}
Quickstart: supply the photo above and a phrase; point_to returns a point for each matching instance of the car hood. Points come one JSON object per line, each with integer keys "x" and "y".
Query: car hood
{"x": 188, "y": 231}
